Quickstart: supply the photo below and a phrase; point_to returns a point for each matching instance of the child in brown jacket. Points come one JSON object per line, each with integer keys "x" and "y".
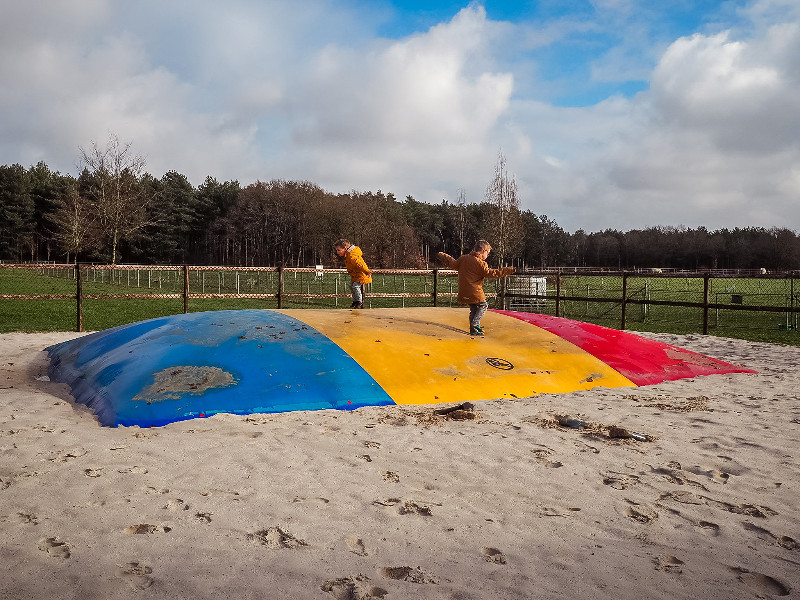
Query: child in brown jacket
{"x": 472, "y": 270}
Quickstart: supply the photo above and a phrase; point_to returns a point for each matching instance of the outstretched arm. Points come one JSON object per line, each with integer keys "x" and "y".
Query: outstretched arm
{"x": 497, "y": 273}
{"x": 447, "y": 260}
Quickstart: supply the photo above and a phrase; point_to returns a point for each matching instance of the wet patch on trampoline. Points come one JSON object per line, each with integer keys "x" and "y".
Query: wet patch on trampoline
{"x": 177, "y": 382}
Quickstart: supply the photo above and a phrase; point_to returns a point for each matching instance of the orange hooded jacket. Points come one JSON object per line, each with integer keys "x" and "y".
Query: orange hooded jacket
{"x": 472, "y": 270}
{"x": 356, "y": 267}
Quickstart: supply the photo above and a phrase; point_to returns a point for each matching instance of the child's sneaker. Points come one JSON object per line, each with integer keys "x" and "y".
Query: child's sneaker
{"x": 476, "y": 331}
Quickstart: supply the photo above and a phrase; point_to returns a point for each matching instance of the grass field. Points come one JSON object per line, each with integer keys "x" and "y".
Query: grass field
{"x": 774, "y": 327}
{"x": 59, "y": 314}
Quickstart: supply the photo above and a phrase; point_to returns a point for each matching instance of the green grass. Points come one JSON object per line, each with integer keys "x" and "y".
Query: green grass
{"x": 774, "y": 327}
{"x": 60, "y": 314}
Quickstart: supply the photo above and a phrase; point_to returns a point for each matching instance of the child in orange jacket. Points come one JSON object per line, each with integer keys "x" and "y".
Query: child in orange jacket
{"x": 357, "y": 269}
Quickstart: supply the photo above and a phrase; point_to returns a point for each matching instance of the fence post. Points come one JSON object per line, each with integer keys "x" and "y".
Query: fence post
{"x": 185, "y": 289}
{"x": 558, "y": 294}
{"x": 435, "y": 285}
{"x": 624, "y": 297}
{"x": 79, "y": 297}
{"x": 279, "y": 295}
{"x": 706, "y": 295}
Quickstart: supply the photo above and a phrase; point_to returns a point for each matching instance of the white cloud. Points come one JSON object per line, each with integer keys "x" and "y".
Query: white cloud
{"x": 254, "y": 90}
{"x": 714, "y": 142}
{"x": 403, "y": 110}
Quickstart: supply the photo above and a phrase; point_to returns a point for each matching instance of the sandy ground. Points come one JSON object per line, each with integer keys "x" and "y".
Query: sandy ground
{"x": 398, "y": 502}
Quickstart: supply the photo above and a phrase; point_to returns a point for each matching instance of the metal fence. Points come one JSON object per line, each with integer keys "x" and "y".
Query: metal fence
{"x": 87, "y": 296}
{"x": 755, "y": 305}
{"x": 50, "y": 297}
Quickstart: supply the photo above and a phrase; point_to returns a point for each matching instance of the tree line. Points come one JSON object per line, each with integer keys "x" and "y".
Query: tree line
{"x": 115, "y": 212}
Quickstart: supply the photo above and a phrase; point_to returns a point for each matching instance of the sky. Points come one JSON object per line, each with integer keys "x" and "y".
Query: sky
{"x": 621, "y": 114}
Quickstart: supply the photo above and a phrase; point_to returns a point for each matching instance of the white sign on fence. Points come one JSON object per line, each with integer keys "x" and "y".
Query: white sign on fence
{"x": 527, "y": 285}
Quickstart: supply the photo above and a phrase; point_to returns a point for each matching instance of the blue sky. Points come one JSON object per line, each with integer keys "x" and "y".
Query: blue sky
{"x": 610, "y": 113}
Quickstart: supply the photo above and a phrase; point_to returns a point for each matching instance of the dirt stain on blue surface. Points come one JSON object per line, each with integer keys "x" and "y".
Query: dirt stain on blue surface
{"x": 177, "y": 382}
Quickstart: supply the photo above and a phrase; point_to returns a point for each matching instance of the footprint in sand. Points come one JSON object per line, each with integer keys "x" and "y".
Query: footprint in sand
{"x": 54, "y": 547}
{"x": 715, "y": 475}
{"x": 203, "y": 517}
{"x": 619, "y": 481}
{"x": 390, "y": 476}
{"x": 712, "y": 528}
{"x": 175, "y": 504}
{"x": 28, "y": 519}
{"x": 670, "y": 474}
{"x": 542, "y": 456}
{"x": 134, "y": 470}
{"x": 318, "y": 500}
{"x": 136, "y": 574}
{"x": 751, "y": 510}
{"x": 668, "y": 564}
{"x": 493, "y": 555}
{"x": 356, "y": 546}
{"x": 144, "y": 528}
{"x": 640, "y": 513}
{"x": 682, "y": 497}
{"x": 276, "y": 539}
{"x": 784, "y": 540}
{"x": 353, "y": 588}
{"x": 763, "y": 584}
{"x": 407, "y": 506}
{"x": 410, "y": 574}
{"x": 67, "y": 455}
{"x": 415, "y": 508}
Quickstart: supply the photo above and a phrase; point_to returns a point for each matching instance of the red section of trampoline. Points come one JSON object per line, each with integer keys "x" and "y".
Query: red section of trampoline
{"x": 643, "y": 361}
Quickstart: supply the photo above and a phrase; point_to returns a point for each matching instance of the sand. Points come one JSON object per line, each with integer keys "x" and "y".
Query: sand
{"x": 399, "y": 502}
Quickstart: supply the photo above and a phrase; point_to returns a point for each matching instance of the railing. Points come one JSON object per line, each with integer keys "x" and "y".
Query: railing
{"x": 627, "y": 299}
{"x": 267, "y": 287}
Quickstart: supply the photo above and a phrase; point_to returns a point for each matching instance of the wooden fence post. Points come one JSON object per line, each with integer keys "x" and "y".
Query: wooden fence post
{"x": 280, "y": 285}
{"x": 706, "y": 296}
{"x": 185, "y": 289}
{"x": 624, "y": 297}
{"x": 79, "y": 297}
{"x": 558, "y": 294}
{"x": 435, "y": 285}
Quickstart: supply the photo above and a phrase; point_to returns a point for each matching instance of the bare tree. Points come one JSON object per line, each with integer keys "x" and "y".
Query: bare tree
{"x": 114, "y": 189}
{"x": 462, "y": 201}
{"x": 505, "y": 223}
{"x": 74, "y": 220}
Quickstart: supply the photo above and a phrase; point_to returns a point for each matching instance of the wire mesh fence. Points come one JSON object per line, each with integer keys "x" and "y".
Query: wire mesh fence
{"x": 51, "y": 297}
{"x": 105, "y": 295}
{"x": 756, "y": 306}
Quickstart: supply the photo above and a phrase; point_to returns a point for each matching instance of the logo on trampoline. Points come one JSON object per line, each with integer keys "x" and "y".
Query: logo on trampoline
{"x": 499, "y": 363}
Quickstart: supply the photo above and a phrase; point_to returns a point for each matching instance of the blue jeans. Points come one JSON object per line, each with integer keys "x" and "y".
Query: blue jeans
{"x": 476, "y": 312}
{"x": 357, "y": 291}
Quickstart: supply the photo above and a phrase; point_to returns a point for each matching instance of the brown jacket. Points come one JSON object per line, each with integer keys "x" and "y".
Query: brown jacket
{"x": 472, "y": 270}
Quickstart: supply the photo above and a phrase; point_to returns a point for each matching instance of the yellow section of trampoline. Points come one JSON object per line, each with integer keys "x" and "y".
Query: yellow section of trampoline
{"x": 426, "y": 355}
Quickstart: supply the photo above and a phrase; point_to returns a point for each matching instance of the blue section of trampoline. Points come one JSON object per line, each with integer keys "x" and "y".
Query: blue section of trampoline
{"x": 198, "y": 364}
